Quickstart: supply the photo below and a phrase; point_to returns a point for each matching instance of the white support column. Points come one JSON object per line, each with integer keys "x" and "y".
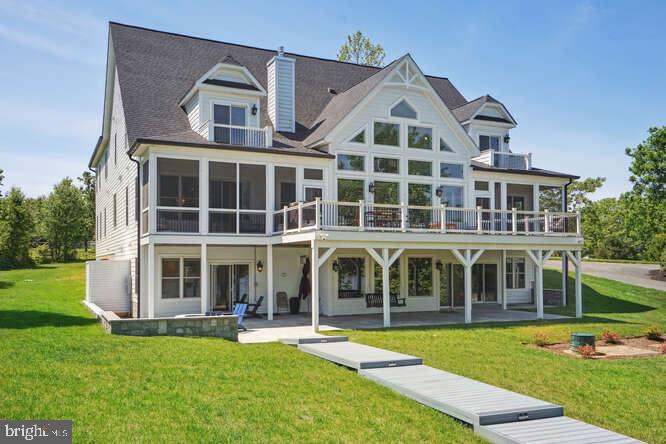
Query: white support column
{"x": 539, "y": 286}
{"x": 314, "y": 292}
{"x": 203, "y": 196}
{"x": 385, "y": 288}
{"x": 205, "y": 294}
{"x": 152, "y": 193}
{"x": 269, "y": 282}
{"x": 505, "y": 296}
{"x": 151, "y": 280}
{"x": 535, "y": 197}
{"x": 467, "y": 260}
{"x": 565, "y": 273}
{"x": 579, "y": 285}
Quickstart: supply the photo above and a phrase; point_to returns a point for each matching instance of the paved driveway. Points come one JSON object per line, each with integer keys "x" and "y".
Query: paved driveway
{"x": 642, "y": 275}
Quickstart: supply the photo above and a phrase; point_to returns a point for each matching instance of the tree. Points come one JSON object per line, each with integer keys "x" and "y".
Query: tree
{"x": 577, "y": 194}
{"x": 360, "y": 49}
{"x": 16, "y": 228}
{"x": 66, "y": 218}
{"x": 87, "y": 188}
{"x": 2, "y": 177}
{"x": 648, "y": 165}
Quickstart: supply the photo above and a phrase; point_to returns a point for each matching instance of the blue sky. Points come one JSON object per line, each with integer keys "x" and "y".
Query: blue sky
{"x": 584, "y": 79}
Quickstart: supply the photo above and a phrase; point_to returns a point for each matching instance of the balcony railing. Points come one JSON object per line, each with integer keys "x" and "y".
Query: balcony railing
{"x": 513, "y": 161}
{"x": 237, "y": 135}
{"x": 361, "y": 216}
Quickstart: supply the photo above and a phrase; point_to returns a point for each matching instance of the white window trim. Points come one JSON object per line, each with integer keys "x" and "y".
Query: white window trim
{"x": 416, "y": 177}
{"x": 364, "y": 276}
{"x": 514, "y": 275}
{"x": 181, "y": 277}
{"x": 382, "y": 156}
{"x": 439, "y": 172}
{"x": 356, "y": 133}
{"x": 422, "y": 125}
{"x": 403, "y": 119}
{"x": 432, "y": 272}
{"x": 401, "y": 133}
{"x": 352, "y": 153}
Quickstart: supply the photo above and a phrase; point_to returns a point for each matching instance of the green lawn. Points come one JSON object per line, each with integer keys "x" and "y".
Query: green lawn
{"x": 627, "y": 396}
{"x": 57, "y": 363}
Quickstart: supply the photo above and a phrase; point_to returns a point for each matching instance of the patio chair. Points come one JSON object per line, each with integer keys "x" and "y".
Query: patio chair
{"x": 239, "y": 310}
{"x": 252, "y": 308}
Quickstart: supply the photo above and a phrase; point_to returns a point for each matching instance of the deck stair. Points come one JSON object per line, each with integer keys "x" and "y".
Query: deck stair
{"x": 499, "y": 415}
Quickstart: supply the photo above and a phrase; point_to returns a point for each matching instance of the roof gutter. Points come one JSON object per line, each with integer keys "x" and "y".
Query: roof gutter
{"x": 137, "y": 219}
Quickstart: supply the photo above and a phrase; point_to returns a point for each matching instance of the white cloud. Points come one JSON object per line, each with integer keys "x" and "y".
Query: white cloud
{"x": 54, "y": 16}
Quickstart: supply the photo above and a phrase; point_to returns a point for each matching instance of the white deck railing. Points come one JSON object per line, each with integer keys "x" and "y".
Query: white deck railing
{"x": 514, "y": 161}
{"x": 362, "y": 216}
{"x": 237, "y": 135}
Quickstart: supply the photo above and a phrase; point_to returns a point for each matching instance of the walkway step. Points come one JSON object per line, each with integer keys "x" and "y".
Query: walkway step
{"x": 359, "y": 356}
{"x": 465, "y": 399}
{"x": 314, "y": 340}
{"x": 561, "y": 430}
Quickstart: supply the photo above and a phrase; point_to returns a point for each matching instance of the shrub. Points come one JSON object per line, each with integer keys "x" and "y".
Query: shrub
{"x": 653, "y": 333}
{"x": 541, "y": 339}
{"x": 586, "y": 351}
{"x": 610, "y": 337}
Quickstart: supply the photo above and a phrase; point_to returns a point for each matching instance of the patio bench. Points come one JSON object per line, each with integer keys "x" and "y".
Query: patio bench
{"x": 376, "y": 300}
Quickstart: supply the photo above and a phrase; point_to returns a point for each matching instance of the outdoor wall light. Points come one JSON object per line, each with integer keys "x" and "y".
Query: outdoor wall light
{"x": 336, "y": 266}
{"x": 439, "y": 266}
{"x": 371, "y": 187}
{"x": 260, "y": 266}
{"x": 254, "y": 110}
{"x": 439, "y": 191}
{"x": 507, "y": 138}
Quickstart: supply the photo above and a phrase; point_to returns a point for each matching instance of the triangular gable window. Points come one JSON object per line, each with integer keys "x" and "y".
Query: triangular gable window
{"x": 444, "y": 147}
{"x": 359, "y": 137}
{"x": 404, "y": 110}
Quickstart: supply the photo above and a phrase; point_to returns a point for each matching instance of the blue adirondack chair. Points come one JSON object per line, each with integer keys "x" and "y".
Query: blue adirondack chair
{"x": 239, "y": 310}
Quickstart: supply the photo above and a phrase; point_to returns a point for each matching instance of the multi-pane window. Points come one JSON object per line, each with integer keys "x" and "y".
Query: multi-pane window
{"x": 418, "y": 137}
{"x": 285, "y": 186}
{"x": 351, "y": 162}
{"x": 144, "y": 196}
{"x": 350, "y": 190}
{"x": 452, "y": 196}
{"x": 226, "y": 120}
{"x": 387, "y": 192}
{"x": 404, "y": 110}
{"x": 350, "y": 277}
{"x": 419, "y": 168}
{"x": 419, "y": 281}
{"x": 115, "y": 211}
{"x": 489, "y": 143}
{"x": 480, "y": 185}
{"x": 515, "y": 272}
{"x": 237, "y": 198}
{"x": 386, "y": 165}
{"x": 386, "y": 134}
{"x": 313, "y": 174}
{"x": 452, "y": 170}
{"x": 443, "y": 146}
{"x": 419, "y": 194}
{"x": 394, "y": 278}
{"x": 181, "y": 278}
{"x": 359, "y": 137}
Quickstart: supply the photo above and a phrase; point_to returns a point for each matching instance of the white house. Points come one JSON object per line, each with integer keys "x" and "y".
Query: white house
{"x": 223, "y": 168}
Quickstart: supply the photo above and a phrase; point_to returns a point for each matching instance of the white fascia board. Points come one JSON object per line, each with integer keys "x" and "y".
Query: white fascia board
{"x": 498, "y": 106}
{"x": 518, "y": 179}
{"x": 108, "y": 101}
{"x": 200, "y": 82}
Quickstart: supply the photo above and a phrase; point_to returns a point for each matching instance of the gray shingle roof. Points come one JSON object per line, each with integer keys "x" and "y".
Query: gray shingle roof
{"x": 156, "y": 69}
{"x": 465, "y": 112}
{"x": 479, "y": 166}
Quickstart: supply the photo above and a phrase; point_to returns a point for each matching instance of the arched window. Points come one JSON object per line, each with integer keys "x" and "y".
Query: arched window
{"x": 404, "y": 110}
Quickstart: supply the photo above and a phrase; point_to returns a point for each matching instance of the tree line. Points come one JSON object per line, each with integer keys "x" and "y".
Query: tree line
{"x": 46, "y": 228}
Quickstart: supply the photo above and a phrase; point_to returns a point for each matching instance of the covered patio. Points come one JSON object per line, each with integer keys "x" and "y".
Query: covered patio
{"x": 293, "y": 326}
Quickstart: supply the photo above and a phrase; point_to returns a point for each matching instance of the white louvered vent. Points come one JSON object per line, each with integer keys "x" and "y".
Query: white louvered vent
{"x": 281, "y": 92}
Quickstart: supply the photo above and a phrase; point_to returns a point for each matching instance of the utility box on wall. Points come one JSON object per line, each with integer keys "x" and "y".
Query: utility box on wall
{"x": 109, "y": 285}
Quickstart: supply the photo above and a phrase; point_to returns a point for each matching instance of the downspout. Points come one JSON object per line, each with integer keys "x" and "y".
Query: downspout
{"x": 137, "y": 219}
{"x": 565, "y": 258}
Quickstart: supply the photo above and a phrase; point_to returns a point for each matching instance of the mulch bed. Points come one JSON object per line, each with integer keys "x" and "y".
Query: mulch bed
{"x": 629, "y": 347}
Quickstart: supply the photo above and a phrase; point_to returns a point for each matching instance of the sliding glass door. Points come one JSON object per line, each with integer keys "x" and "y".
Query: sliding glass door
{"x": 229, "y": 283}
{"x": 452, "y": 284}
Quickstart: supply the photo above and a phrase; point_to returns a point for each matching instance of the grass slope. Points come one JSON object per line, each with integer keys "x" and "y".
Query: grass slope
{"x": 627, "y": 396}
{"x": 57, "y": 363}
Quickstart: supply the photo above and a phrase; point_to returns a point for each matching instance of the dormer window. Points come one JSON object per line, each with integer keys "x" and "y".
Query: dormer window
{"x": 489, "y": 143}
{"x": 229, "y": 123}
{"x": 403, "y": 110}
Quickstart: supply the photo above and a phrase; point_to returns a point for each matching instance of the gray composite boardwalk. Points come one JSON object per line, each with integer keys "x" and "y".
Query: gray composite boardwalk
{"x": 470, "y": 401}
{"x": 560, "y": 430}
{"x": 359, "y": 356}
{"x": 499, "y": 415}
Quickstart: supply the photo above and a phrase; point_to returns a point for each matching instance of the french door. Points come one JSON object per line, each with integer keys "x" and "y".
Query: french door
{"x": 452, "y": 284}
{"x": 229, "y": 283}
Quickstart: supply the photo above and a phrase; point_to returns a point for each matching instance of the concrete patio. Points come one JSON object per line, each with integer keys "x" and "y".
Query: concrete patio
{"x": 295, "y": 326}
